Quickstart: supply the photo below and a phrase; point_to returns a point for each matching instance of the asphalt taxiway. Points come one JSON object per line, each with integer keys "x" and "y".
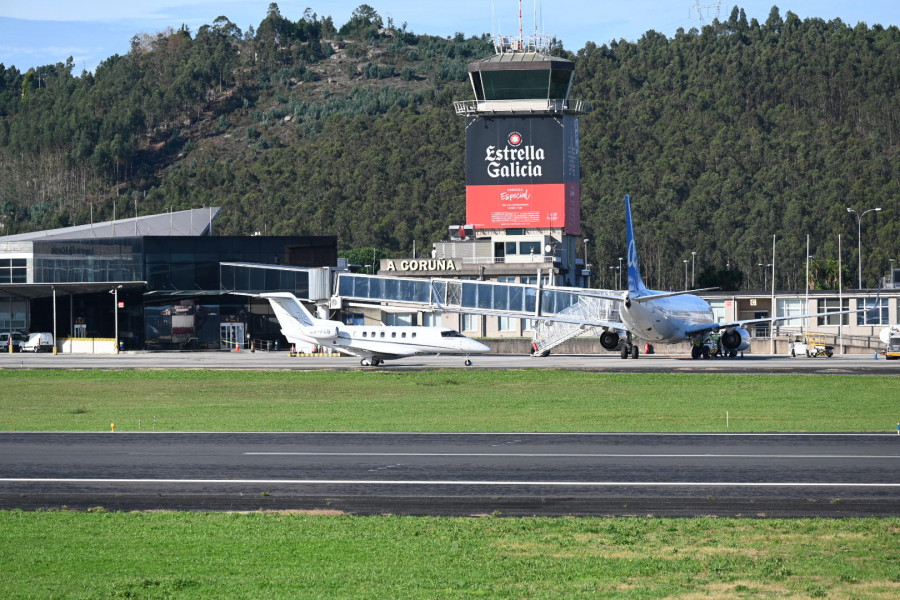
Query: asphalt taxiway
{"x": 847, "y": 364}
{"x": 751, "y": 475}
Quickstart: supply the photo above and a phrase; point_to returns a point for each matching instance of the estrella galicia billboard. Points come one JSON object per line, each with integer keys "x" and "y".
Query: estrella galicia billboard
{"x": 523, "y": 172}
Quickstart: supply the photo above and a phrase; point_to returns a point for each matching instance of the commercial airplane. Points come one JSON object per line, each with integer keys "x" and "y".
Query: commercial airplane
{"x": 670, "y": 317}
{"x": 373, "y": 344}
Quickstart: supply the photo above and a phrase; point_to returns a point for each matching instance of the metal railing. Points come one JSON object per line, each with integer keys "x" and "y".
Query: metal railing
{"x": 472, "y": 107}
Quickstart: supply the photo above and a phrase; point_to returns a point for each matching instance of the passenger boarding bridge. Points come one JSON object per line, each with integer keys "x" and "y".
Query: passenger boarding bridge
{"x": 484, "y": 298}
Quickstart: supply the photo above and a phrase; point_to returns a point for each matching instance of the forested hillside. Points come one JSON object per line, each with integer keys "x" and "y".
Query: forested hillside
{"x": 724, "y": 137}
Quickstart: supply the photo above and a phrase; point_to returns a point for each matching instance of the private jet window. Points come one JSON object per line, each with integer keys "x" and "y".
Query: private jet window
{"x": 364, "y": 334}
{"x": 414, "y": 334}
{"x": 382, "y": 334}
{"x": 393, "y": 334}
{"x": 403, "y": 335}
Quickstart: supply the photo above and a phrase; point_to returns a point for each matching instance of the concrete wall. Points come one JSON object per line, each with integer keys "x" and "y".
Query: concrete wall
{"x": 591, "y": 345}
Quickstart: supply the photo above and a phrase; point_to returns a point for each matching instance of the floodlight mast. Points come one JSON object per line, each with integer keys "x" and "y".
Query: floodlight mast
{"x": 859, "y": 217}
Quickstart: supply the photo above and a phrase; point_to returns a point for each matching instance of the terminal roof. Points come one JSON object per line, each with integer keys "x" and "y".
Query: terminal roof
{"x": 193, "y": 222}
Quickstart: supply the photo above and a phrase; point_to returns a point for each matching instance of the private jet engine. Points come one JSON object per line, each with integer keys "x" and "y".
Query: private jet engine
{"x": 323, "y": 333}
{"x": 735, "y": 340}
{"x": 609, "y": 340}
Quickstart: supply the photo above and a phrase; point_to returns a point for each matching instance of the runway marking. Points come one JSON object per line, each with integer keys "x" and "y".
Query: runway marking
{"x": 862, "y": 436}
{"x": 542, "y": 455}
{"x": 452, "y": 483}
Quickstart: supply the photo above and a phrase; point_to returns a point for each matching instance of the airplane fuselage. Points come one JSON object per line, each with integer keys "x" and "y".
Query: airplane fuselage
{"x": 386, "y": 341}
{"x": 665, "y": 320}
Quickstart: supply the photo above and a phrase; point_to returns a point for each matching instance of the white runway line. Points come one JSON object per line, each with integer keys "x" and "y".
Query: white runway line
{"x": 540, "y": 455}
{"x": 451, "y": 483}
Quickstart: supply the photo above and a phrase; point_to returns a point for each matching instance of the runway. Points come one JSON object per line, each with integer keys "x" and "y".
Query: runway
{"x": 848, "y": 364}
{"x": 457, "y": 474}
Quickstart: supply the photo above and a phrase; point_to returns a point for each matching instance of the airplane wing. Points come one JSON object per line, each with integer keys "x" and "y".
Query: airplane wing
{"x": 657, "y": 296}
{"x": 711, "y": 327}
{"x": 556, "y": 318}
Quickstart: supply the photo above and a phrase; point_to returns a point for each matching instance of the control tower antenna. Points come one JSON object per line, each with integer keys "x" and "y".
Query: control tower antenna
{"x": 537, "y": 42}
{"x": 699, "y": 8}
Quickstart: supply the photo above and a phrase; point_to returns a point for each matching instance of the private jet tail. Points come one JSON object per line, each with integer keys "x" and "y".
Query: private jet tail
{"x": 289, "y": 310}
{"x": 635, "y": 283}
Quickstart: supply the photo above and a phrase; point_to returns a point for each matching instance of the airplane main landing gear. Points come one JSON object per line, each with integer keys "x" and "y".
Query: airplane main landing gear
{"x": 630, "y": 349}
{"x": 374, "y": 362}
{"x": 468, "y": 363}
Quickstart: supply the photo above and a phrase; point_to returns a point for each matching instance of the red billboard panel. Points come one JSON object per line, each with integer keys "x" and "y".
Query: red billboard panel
{"x": 523, "y": 171}
{"x": 539, "y": 205}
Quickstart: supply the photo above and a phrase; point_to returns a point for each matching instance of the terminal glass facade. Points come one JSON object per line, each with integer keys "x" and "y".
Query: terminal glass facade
{"x": 88, "y": 261}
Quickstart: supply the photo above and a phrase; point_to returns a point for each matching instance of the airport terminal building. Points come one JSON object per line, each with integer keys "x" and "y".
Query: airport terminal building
{"x": 154, "y": 282}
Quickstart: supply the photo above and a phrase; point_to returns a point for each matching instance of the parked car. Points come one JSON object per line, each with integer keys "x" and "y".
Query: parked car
{"x": 17, "y": 339}
{"x": 38, "y": 342}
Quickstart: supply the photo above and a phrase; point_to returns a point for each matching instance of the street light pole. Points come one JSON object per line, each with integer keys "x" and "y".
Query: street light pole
{"x": 685, "y": 273}
{"x": 765, "y": 266}
{"x": 587, "y": 278}
{"x": 859, "y": 236}
{"x": 693, "y": 259}
{"x": 620, "y": 273}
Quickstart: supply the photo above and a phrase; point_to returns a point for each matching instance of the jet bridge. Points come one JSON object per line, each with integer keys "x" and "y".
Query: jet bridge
{"x": 485, "y": 298}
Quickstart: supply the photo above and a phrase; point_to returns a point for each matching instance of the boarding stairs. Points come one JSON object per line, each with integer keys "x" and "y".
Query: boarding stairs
{"x": 550, "y": 334}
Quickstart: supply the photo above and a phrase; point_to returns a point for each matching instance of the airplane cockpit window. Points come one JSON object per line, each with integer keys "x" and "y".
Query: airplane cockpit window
{"x": 451, "y": 333}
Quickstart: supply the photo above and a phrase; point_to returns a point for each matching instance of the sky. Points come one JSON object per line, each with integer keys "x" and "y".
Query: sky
{"x": 42, "y": 32}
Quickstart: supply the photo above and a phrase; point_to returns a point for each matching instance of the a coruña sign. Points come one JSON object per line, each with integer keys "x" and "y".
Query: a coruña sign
{"x": 420, "y": 264}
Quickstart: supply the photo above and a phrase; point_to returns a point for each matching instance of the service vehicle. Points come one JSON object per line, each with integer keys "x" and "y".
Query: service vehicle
{"x": 38, "y": 342}
{"x": 890, "y": 337}
{"x": 812, "y": 345}
{"x": 16, "y": 338}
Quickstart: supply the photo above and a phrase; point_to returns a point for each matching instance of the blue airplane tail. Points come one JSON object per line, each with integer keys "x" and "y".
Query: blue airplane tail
{"x": 635, "y": 283}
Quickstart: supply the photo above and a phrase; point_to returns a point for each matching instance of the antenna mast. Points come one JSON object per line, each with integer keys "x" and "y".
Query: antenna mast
{"x": 521, "y": 34}
{"x": 699, "y": 8}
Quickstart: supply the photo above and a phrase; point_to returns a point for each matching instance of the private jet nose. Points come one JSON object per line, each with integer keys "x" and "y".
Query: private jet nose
{"x": 474, "y": 346}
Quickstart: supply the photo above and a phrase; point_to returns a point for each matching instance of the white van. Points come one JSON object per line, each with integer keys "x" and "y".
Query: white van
{"x": 38, "y": 342}
{"x": 17, "y": 339}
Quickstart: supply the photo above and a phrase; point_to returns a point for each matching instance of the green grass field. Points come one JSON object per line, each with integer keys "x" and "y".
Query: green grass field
{"x": 210, "y": 555}
{"x": 97, "y": 554}
{"x": 452, "y": 400}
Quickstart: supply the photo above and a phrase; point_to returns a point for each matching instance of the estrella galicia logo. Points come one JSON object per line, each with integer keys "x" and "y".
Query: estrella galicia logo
{"x": 514, "y": 139}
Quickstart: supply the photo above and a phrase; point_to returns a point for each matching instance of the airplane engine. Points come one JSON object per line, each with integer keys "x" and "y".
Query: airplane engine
{"x": 736, "y": 339}
{"x": 609, "y": 340}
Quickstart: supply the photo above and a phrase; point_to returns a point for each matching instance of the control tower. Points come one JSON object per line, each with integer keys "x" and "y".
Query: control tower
{"x": 522, "y": 154}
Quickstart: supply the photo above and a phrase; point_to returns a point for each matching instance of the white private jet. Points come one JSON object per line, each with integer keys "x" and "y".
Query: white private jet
{"x": 373, "y": 344}
{"x": 670, "y": 317}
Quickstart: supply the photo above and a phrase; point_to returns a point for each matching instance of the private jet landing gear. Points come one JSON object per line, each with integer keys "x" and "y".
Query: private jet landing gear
{"x": 468, "y": 363}
{"x": 374, "y": 362}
